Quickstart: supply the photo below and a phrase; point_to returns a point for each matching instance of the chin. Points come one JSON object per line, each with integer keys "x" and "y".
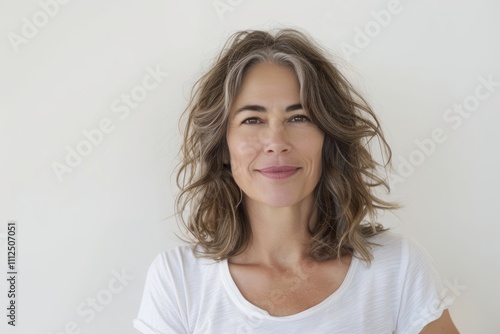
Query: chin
{"x": 280, "y": 201}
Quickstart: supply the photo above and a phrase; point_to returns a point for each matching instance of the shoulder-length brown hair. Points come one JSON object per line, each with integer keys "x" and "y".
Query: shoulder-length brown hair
{"x": 210, "y": 203}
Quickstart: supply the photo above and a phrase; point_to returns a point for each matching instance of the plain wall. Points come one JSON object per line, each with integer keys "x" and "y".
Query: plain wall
{"x": 112, "y": 212}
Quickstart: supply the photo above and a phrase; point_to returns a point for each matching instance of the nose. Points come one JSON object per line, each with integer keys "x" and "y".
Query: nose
{"x": 276, "y": 141}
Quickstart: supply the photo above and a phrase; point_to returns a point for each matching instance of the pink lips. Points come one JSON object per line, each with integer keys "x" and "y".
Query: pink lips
{"x": 278, "y": 172}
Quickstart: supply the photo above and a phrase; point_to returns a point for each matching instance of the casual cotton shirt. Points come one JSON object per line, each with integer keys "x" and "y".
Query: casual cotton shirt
{"x": 400, "y": 292}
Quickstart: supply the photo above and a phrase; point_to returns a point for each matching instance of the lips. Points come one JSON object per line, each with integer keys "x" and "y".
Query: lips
{"x": 279, "y": 172}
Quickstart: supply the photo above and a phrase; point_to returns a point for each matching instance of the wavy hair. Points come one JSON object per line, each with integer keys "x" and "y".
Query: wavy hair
{"x": 210, "y": 203}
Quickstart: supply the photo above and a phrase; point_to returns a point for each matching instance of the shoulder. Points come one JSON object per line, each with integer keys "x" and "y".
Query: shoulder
{"x": 185, "y": 256}
{"x": 391, "y": 238}
{"x": 177, "y": 254}
{"x": 407, "y": 272}
{"x": 180, "y": 263}
{"x": 175, "y": 281}
{"x": 390, "y": 245}
{"x": 398, "y": 255}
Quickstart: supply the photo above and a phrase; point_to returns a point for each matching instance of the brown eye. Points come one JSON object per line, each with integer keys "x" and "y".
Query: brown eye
{"x": 299, "y": 119}
{"x": 252, "y": 120}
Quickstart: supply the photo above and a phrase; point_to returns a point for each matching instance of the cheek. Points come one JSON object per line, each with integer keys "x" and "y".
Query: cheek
{"x": 248, "y": 146}
{"x": 242, "y": 145}
{"x": 311, "y": 145}
{"x": 242, "y": 150}
{"x": 312, "y": 148}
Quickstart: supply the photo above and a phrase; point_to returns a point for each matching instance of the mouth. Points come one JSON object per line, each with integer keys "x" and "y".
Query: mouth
{"x": 279, "y": 172}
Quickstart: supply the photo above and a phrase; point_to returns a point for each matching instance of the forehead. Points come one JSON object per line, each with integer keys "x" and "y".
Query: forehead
{"x": 268, "y": 81}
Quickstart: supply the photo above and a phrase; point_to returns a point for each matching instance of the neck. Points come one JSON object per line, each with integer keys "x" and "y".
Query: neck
{"x": 279, "y": 235}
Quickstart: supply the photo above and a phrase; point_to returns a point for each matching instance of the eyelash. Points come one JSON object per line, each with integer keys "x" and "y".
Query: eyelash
{"x": 304, "y": 117}
{"x": 253, "y": 120}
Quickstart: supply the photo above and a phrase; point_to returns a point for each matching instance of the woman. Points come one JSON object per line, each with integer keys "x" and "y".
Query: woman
{"x": 280, "y": 182}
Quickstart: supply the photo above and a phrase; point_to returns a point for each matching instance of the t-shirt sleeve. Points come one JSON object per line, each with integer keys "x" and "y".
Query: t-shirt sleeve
{"x": 423, "y": 296}
{"x": 162, "y": 305}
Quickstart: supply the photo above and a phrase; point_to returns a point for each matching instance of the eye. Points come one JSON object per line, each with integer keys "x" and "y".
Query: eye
{"x": 252, "y": 120}
{"x": 300, "y": 118}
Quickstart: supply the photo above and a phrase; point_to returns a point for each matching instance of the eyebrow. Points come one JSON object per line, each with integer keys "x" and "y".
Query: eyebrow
{"x": 258, "y": 108}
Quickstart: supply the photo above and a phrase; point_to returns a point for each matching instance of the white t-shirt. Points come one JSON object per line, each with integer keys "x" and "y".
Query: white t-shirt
{"x": 400, "y": 292}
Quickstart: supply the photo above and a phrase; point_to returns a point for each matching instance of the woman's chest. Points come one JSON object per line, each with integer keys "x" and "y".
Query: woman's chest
{"x": 288, "y": 292}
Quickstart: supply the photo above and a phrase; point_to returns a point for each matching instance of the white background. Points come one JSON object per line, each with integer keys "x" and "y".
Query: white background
{"x": 113, "y": 212}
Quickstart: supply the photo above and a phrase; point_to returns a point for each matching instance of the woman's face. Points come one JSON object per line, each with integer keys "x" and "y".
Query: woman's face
{"x": 275, "y": 151}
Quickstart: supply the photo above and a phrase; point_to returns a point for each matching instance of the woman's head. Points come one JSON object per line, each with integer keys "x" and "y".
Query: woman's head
{"x": 347, "y": 173}
{"x": 274, "y": 148}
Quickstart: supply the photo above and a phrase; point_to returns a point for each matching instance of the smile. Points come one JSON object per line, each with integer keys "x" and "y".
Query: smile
{"x": 279, "y": 172}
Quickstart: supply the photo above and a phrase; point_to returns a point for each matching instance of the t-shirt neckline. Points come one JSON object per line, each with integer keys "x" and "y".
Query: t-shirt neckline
{"x": 251, "y": 309}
